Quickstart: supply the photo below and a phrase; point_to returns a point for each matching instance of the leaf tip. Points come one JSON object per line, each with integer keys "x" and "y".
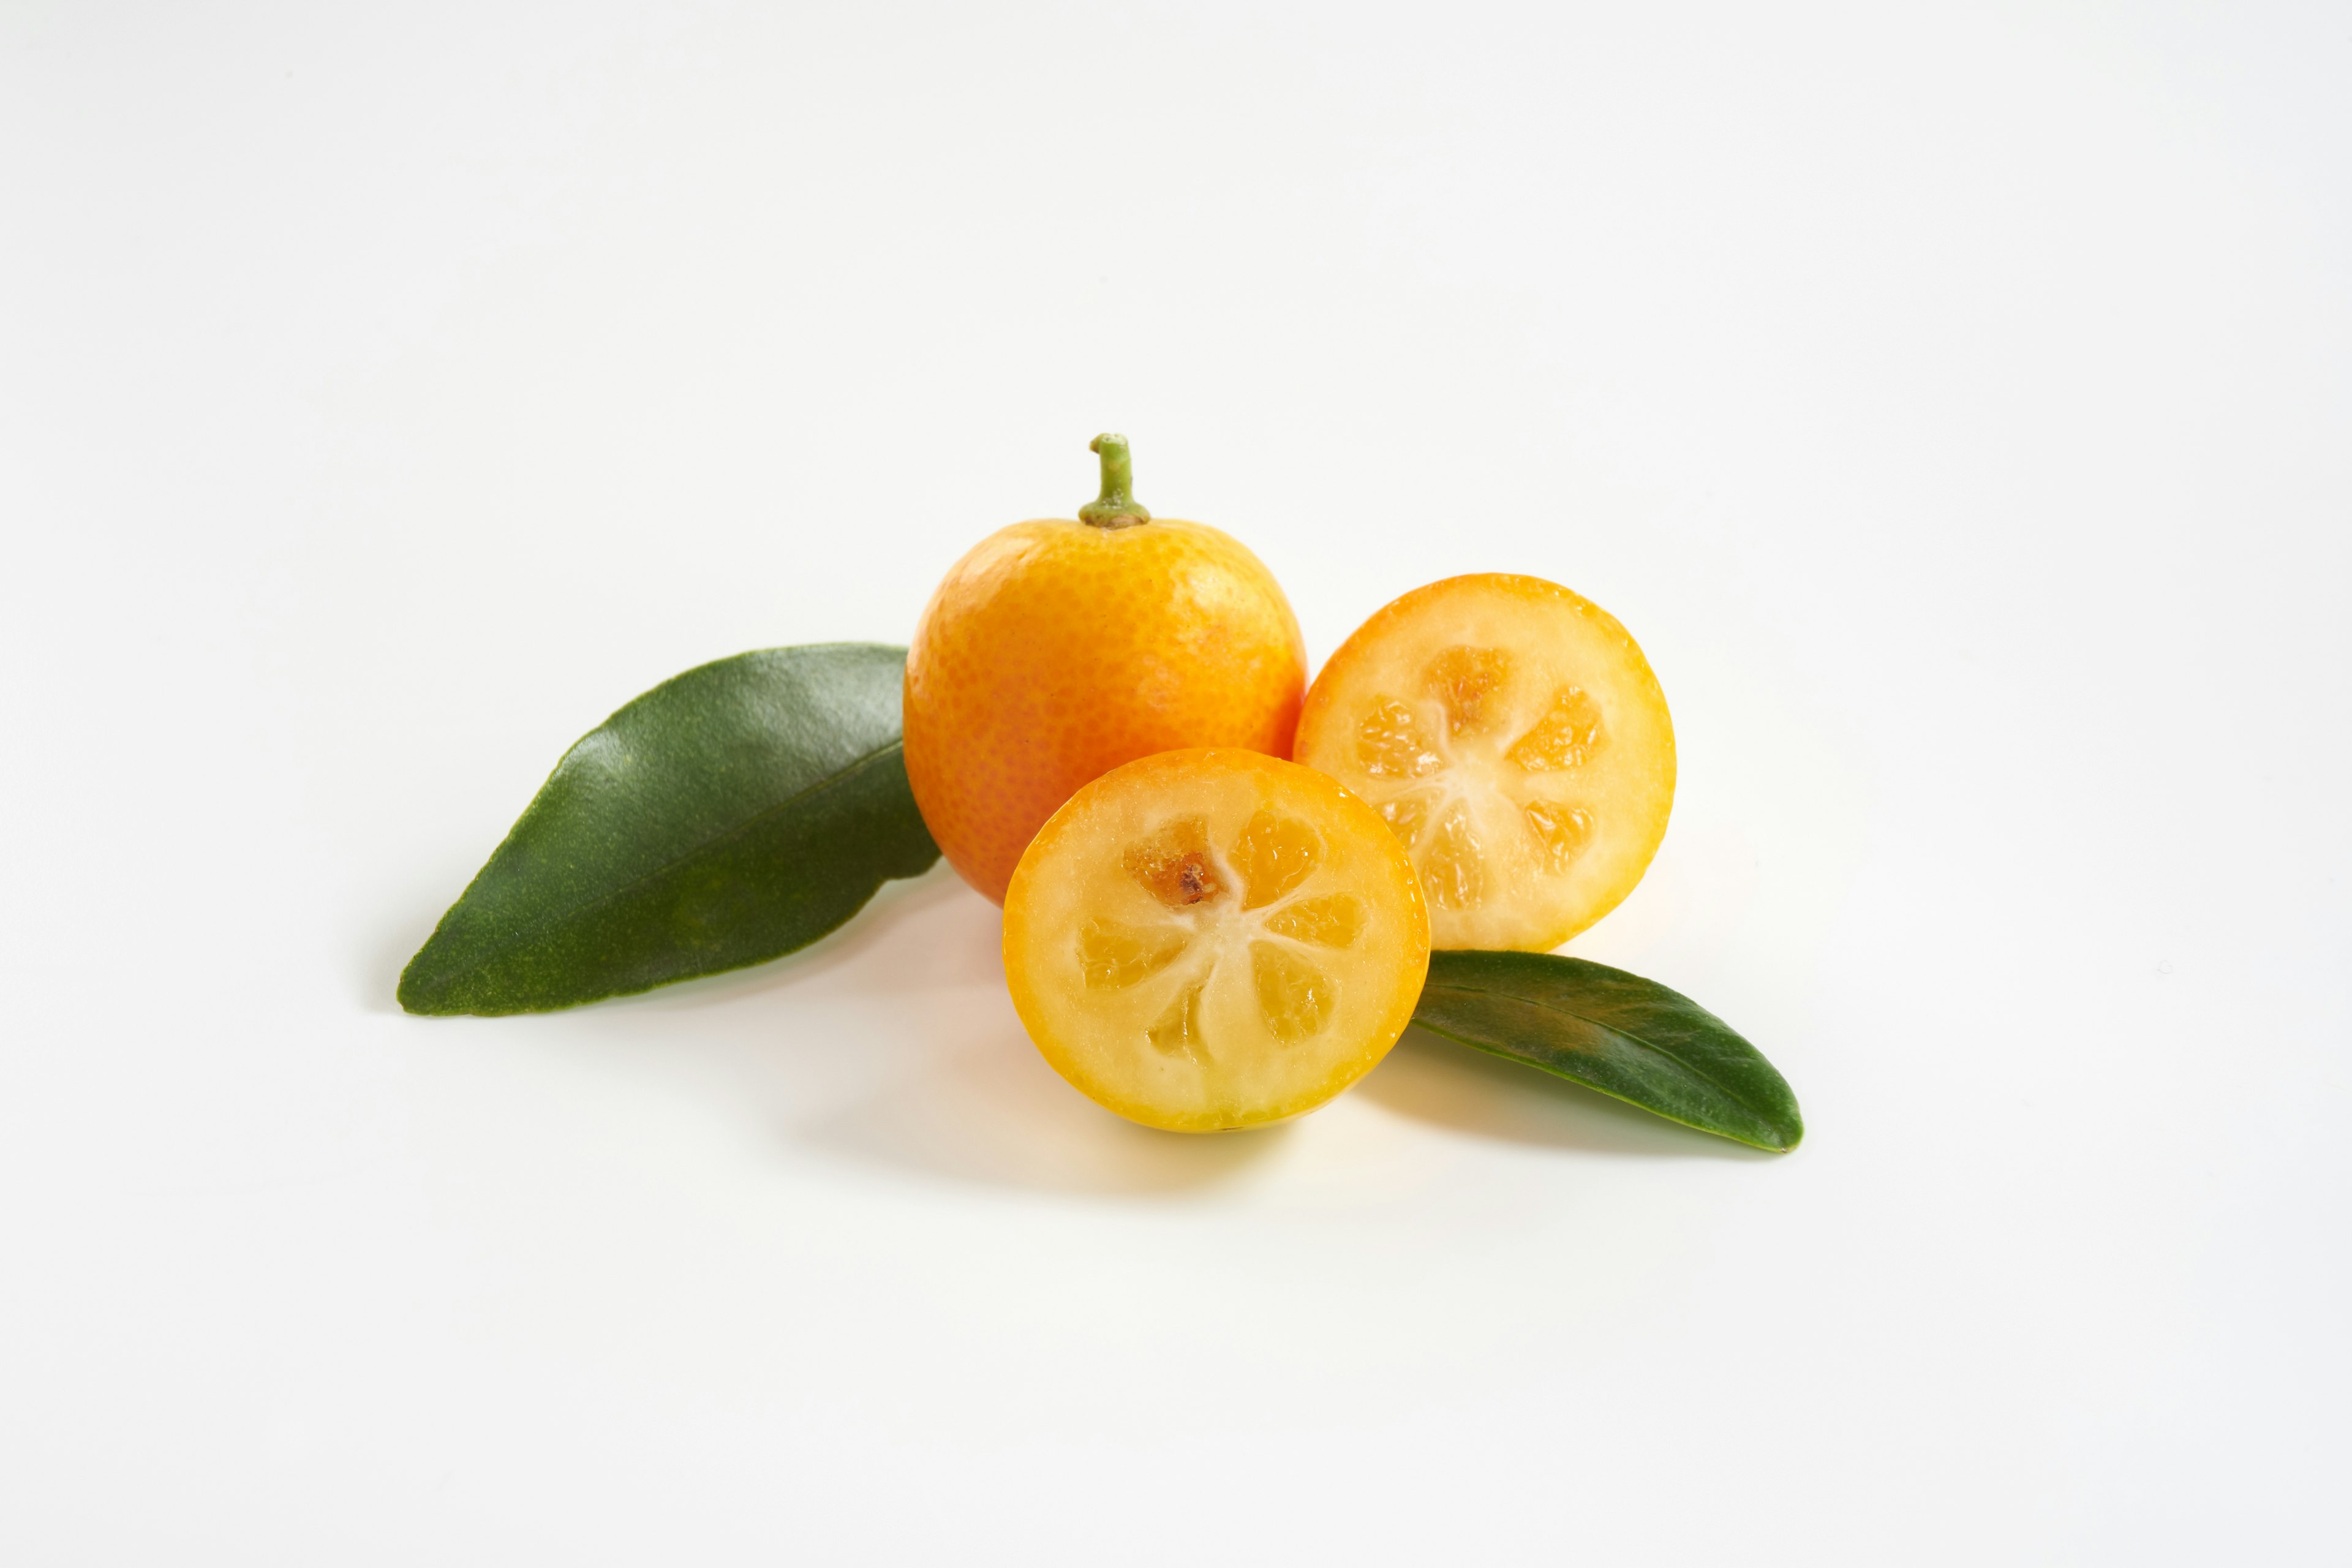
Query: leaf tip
{"x": 418, "y": 996}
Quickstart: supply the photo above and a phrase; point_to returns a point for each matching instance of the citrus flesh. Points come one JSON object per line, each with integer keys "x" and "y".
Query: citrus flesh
{"x": 1512, "y": 735}
{"x": 1211, "y": 939}
{"x": 1055, "y": 651}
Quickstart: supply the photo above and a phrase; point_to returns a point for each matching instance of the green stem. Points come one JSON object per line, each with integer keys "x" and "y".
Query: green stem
{"x": 1116, "y": 506}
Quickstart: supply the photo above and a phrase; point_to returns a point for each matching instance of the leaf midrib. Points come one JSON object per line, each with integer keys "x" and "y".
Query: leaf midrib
{"x": 573, "y": 911}
{"x": 1641, "y": 1040}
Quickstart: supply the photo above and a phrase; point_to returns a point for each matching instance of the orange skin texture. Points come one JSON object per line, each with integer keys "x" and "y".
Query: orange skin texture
{"x": 1054, "y": 652}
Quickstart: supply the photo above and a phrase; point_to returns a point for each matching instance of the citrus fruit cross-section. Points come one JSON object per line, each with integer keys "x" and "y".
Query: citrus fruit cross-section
{"x": 1512, "y": 734}
{"x": 1057, "y": 650}
{"x": 1214, "y": 938}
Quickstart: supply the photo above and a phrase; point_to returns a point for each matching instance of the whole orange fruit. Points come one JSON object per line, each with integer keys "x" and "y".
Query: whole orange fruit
{"x": 1058, "y": 649}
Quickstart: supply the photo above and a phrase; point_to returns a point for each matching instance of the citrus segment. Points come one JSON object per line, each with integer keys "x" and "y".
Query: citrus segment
{"x": 1390, "y": 742}
{"x": 1333, "y": 921}
{"x": 1210, "y": 938}
{"x": 1453, "y": 866}
{"x": 1463, "y": 679}
{"x": 1566, "y": 737}
{"x": 1178, "y": 1027}
{"x": 1513, "y": 737}
{"x": 1563, "y": 830}
{"x": 1274, "y": 854}
{"x": 1111, "y": 954}
{"x": 1173, "y": 863}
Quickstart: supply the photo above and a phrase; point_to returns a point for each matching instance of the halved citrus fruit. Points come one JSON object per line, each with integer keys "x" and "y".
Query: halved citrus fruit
{"x": 1214, "y": 938}
{"x": 1512, "y": 734}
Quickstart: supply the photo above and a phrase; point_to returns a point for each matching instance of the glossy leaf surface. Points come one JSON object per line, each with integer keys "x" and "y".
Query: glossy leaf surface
{"x": 732, "y": 815}
{"x": 1624, "y": 1036}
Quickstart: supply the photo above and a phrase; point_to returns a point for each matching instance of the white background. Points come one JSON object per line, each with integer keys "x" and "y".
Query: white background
{"x": 1952, "y": 400}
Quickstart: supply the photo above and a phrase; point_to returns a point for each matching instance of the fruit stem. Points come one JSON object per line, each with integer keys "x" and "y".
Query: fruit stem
{"x": 1116, "y": 506}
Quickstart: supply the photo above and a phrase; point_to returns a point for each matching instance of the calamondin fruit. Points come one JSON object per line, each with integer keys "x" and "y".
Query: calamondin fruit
{"x": 1512, "y": 734}
{"x": 1058, "y": 649}
{"x": 1214, "y": 938}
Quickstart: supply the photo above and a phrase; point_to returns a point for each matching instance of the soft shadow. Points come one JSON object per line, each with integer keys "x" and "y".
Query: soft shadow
{"x": 892, "y": 1043}
{"x": 987, "y": 1108}
{"x": 1437, "y": 1081}
{"x": 834, "y": 956}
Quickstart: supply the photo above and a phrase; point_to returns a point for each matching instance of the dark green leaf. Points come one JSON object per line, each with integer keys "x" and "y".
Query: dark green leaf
{"x": 1615, "y": 1032}
{"x": 736, "y": 813}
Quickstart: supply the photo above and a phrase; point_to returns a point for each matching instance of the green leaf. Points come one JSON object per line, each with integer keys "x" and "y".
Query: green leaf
{"x": 1615, "y": 1032}
{"x": 734, "y": 814}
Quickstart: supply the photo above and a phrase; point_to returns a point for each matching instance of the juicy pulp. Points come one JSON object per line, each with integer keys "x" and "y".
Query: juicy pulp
{"x": 1512, "y": 735}
{"x": 1214, "y": 938}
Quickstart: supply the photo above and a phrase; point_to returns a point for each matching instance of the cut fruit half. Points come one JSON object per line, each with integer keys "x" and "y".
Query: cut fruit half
{"x": 1511, "y": 733}
{"x": 1214, "y": 938}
